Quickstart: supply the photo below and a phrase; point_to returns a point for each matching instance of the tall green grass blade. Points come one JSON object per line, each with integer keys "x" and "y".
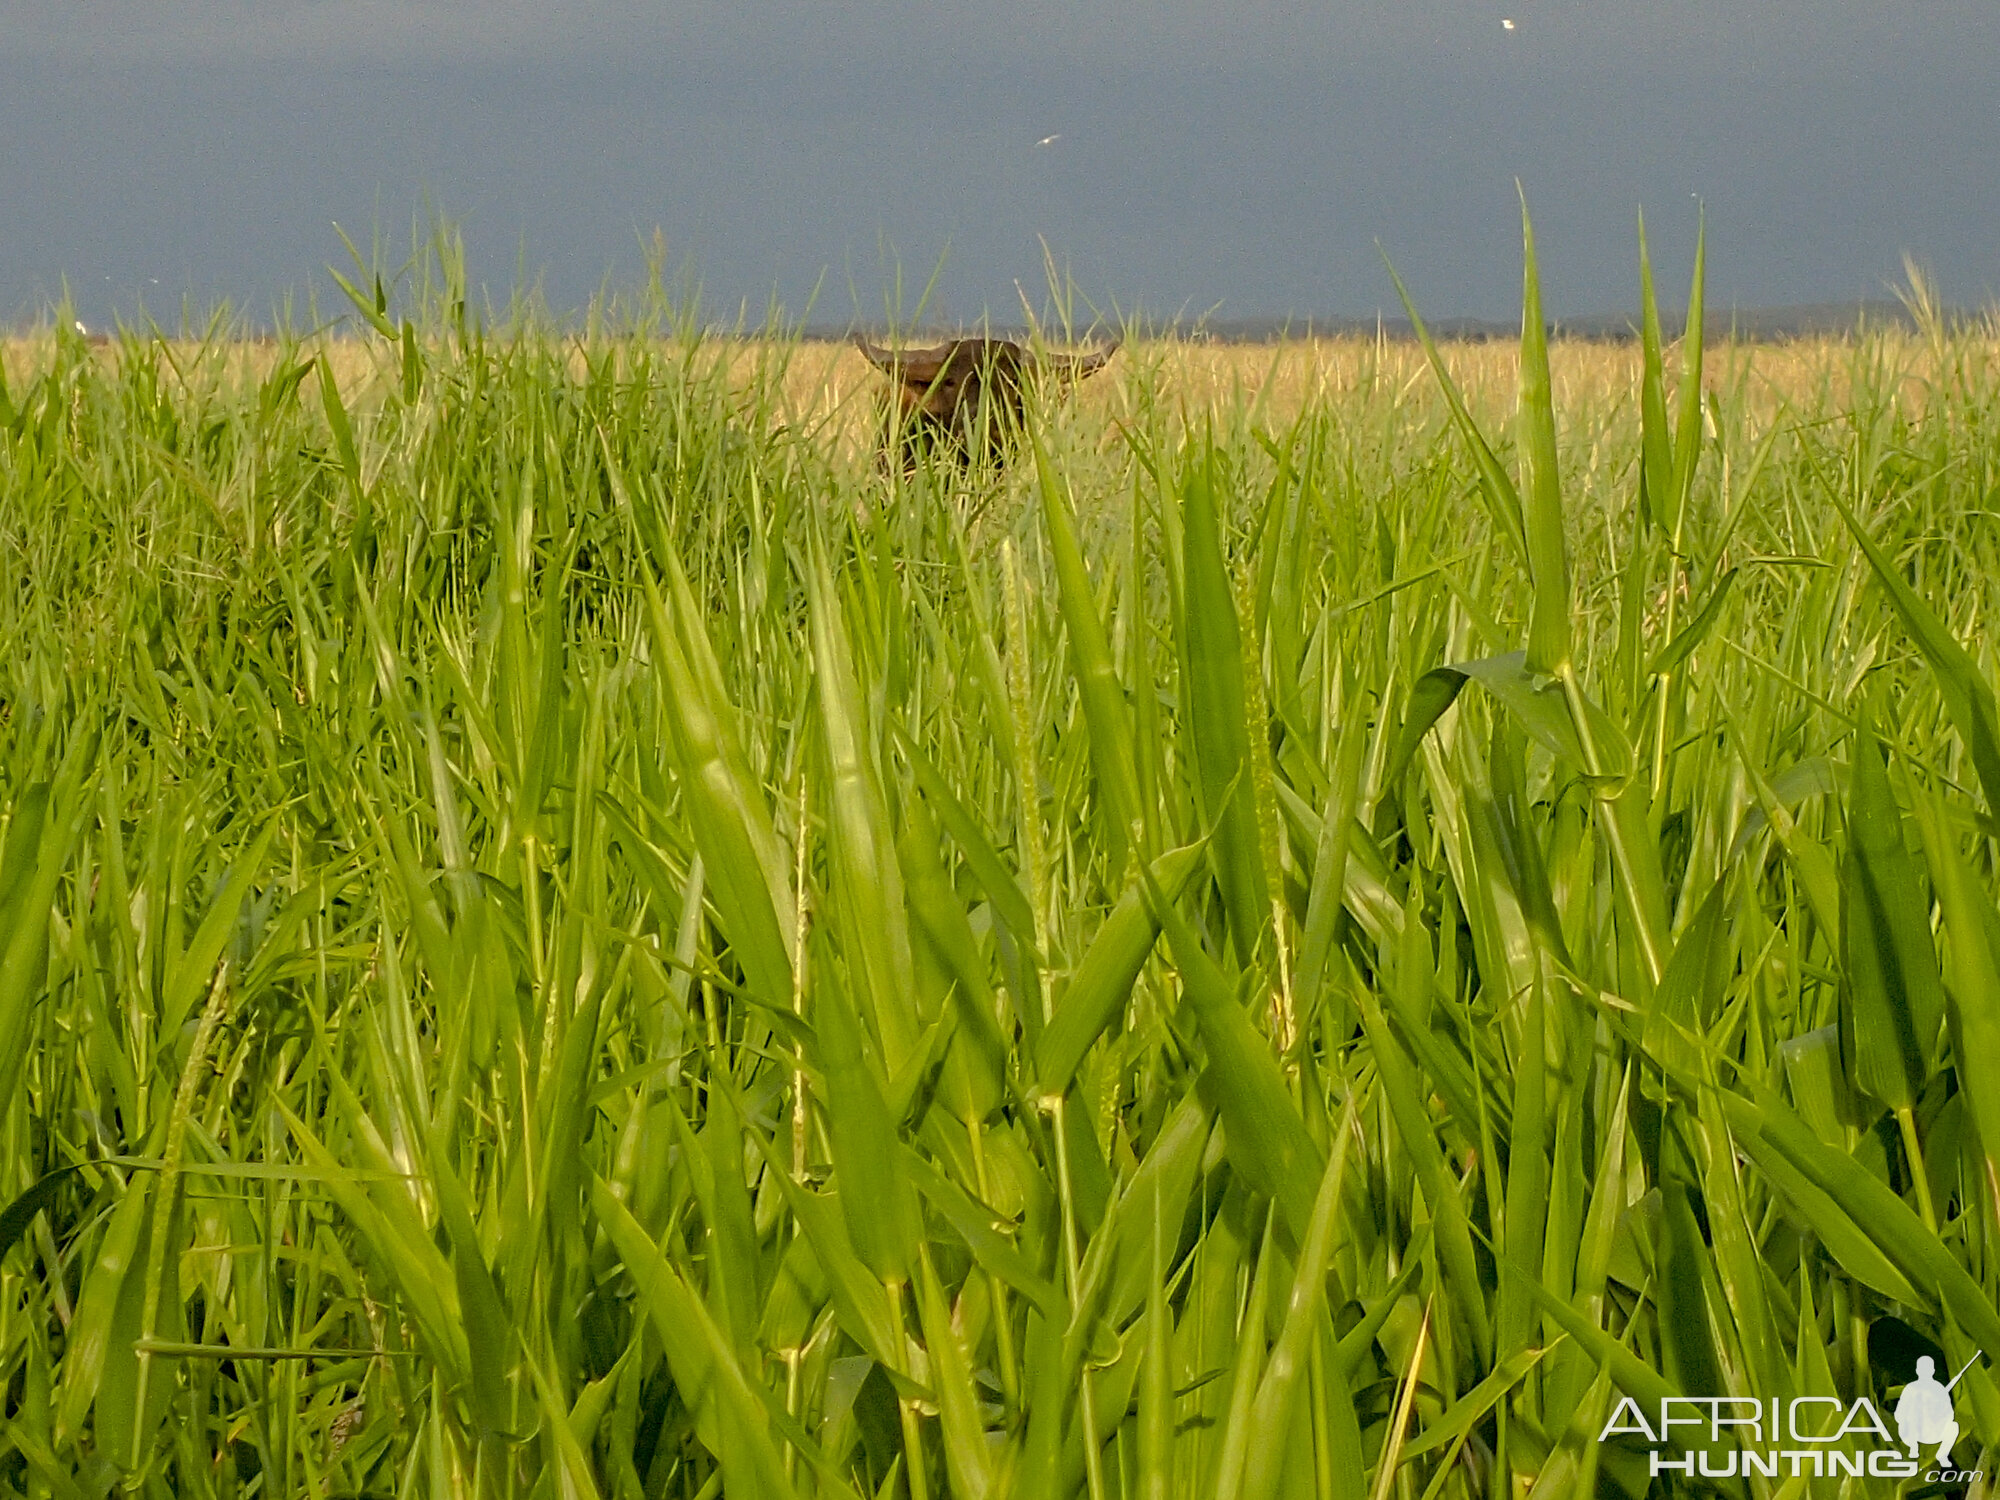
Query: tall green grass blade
{"x": 1688, "y": 420}
{"x": 1110, "y": 967}
{"x": 1440, "y": 1188}
{"x": 1893, "y": 1010}
{"x": 1271, "y": 1412}
{"x": 1001, "y": 887}
{"x": 1656, "y": 444}
{"x": 1267, "y": 1139}
{"x": 731, "y": 822}
{"x": 1763, "y": 1123}
{"x": 1527, "y": 1178}
{"x": 1103, "y": 696}
{"x": 965, "y": 1447}
{"x": 1502, "y": 500}
{"x": 702, "y": 1363}
{"x": 34, "y": 855}
{"x": 1690, "y": 636}
{"x": 1541, "y": 485}
{"x": 1155, "y": 1400}
{"x": 1972, "y": 939}
{"x": 1967, "y": 695}
{"x": 875, "y": 1192}
{"x": 1211, "y": 647}
{"x": 869, "y": 901}
{"x": 489, "y": 1334}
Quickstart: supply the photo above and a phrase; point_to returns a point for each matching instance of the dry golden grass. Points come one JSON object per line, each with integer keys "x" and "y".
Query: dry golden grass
{"x": 829, "y": 388}
{"x": 832, "y": 383}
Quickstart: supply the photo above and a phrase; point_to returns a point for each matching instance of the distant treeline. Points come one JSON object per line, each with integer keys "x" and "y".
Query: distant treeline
{"x": 1813, "y": 320}
{"x": 1756, "y": 324}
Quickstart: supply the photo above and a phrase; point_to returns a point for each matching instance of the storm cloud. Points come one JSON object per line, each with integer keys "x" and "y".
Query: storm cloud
{"x": 1257, "y": 162}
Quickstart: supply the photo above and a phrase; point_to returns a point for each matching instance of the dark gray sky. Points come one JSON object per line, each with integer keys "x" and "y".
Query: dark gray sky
{"x": 1245, "y": 157}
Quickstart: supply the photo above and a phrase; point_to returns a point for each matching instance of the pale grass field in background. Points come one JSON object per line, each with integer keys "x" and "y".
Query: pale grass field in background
{"x": 829, "y": 388}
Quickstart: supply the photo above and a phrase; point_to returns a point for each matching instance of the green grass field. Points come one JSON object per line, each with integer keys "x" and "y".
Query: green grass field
{"x": 562, "y": 933}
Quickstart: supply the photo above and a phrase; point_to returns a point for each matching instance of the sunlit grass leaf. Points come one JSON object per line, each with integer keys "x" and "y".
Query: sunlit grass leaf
{"x": 1692, "y": 634}
{"x": 966, "y": 1452}
{"x": 1893, "y": 1003}
{"x": 1688, "y": 419}
{"x": 875, "y": 1191}
{"x": 1764, "y": 1124}
{"x": 1210, "y": 639}
{"x": 1271, "y": 1413}
{"x": 1541, "y": 485}
{"x": 731, "y": 821}
{"x": 1400, "y": 1088}
{"x": 703, "y": 1362}
{"x": 1656, "y": 451}
{"x": 1972, "y": 937}
{"x": 1502, "y": 500}
{"x": 489, "y": 1334}
{"x": 1110, "y": 966}
{"x": 1967, "y": 694}
{"x": 1267, "y": 1139}
{"x": 1102, "y": 695}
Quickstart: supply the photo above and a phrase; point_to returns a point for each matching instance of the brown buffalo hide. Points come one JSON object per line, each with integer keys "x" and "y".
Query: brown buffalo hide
{"x": 965, "y": 396}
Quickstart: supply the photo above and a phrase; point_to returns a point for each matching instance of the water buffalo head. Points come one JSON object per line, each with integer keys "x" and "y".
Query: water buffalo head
{"x": 966, "y": 394}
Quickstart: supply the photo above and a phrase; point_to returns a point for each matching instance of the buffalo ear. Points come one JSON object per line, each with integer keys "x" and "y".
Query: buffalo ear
{"x": 1078, "y": 366}
{"x": 1096, "y": 360}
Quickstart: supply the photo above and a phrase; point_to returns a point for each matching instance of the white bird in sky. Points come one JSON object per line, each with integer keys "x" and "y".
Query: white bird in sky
{"x": 1049, "y": 140}
{"x": 1506, "y": 25}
